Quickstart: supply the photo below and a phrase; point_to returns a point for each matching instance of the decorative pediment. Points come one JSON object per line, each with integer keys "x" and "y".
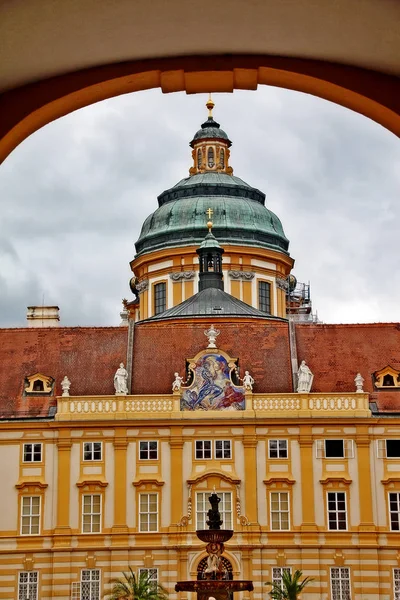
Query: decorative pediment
{"x": 92, "y": 484}
{"x": 388, "y": 377}
{"x": 31, "y": 484}
{"x": 213, "y": 383}
{"x": 148, "y": 483}
{"x": 38, "y": 384}
{"x": 204, "y": 475}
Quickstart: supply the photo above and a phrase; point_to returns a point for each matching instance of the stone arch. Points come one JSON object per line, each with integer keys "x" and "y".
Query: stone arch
{"x": 365, "y": 91}
{"x": 201, "y": 567}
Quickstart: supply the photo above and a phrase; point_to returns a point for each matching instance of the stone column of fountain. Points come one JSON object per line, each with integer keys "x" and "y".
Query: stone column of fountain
{"x": 215, "y": 581}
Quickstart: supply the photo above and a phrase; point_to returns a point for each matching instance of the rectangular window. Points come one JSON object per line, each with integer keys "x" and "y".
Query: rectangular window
{"x": 277, "y": 573}
{"x": 340, "y": 583}
{"x": 160, "y": 298}
{"x": 224, "y": 507}
{"x": 90, "y": 584}
{"x": 91, "y": 513}
{"x": 264, "y": 296}
{"x": 30, "y": 515}
{"x": 28, "y": 585}
{"x": 32, "y": 452}
{"x": 203, "y": 449}
{"x": 337, "y": 519}
{"x": 148, "y": 450}
{"x": 396, "y": 584}
{"x": 394, "y": 511}
{"x": 152, "y": 574}
{"x": 92, "y": 450}
{"x": 148, "y": 512}
{"x": 393, "y": 448}
{"x": 334, "y": 449}
{"x": 277, "y": 449}
{"x": 279, "y": 507}
{"x": 223, "y": 449}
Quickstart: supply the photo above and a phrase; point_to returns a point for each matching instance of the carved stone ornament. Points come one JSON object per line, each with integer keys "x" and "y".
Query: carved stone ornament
{"x": 359, "y": 381}
{"x": 282, "y": 284}
{"x": 65, "y": 386}
{"x": 244, "y": 275}
{"x": 142, "y": 286}
{"x": 120, "y": 380}
{"x": 182, "y": 275}
{"x": 212, "y": 335}
{"x": 305, "y": 378}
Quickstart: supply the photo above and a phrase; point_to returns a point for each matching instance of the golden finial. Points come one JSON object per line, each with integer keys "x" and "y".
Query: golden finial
{"x": 209, "y": 213}
{"x": 210, "y": 105}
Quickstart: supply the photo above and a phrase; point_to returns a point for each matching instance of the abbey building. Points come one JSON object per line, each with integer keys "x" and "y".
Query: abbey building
{"x": 112, "y": 438}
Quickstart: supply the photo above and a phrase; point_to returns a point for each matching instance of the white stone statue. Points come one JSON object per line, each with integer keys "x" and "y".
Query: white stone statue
{"x": 176, "y": 384}
{"x": 305, "y": 378}
{"x": 65, "y": 385}
{"x": 212, "y": 334}
{"x": 248, "y": 381}
{"x": 120, "y": 380}
{"x": 359, "y": 381}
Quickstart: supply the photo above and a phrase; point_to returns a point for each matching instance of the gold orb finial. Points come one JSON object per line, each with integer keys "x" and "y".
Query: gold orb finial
{"x": 210, "y": 105}
{"x": 209, "y": 213}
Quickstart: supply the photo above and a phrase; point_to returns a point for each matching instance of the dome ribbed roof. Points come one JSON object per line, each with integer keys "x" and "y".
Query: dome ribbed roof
{"x": 239, "y": 215}
{"x": 210, "y": 129}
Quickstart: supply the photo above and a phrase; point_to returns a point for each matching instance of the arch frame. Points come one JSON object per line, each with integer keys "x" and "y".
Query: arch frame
{"x": 28, "y": 108}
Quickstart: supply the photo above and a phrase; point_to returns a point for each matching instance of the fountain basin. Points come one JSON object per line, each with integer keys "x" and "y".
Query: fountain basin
{"x": 218, "y": 589}
{"x": 218, "y": 536}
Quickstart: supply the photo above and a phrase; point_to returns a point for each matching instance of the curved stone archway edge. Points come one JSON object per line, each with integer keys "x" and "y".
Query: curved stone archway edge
{"x": 25, "y": 110}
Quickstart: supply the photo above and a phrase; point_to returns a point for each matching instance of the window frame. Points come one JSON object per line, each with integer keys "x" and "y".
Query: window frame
{"x": 396, "y": 583}
{"x": 92, "y": 459}
{"x": 35, "y": 584}
{"x": 202, "y": 449}
{"x": 201, "y": 520}
{"x": 31, "y": 515}
{"x": 264, "y": 285}
{"x": 159, "y": 308}
{"x": 337, "y": 511}
{"x": 278, "y": 449}
{"x": 334, "y": 596}
{"x": 278, "y": 579}
{"x": 223, "y": 449}
{"x": 280, "y": 511}
{"x": 148, "y": 512}
{"x": 91, "y": 514}
{"x": 396, "y": 512}
{"x": 147, "y": 570}
{"x": 91, "y": 581}
{"x": 32, "y": 444}
{"x": 148, "y": 450}
{"x": 348, "y": 448}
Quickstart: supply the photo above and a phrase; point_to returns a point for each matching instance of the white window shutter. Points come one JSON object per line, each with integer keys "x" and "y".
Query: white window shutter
{"x": 320, "y": 448}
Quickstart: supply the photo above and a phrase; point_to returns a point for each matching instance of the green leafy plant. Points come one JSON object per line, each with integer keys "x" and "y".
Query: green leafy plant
{"x": 130, "y": 587}
{"x": 291, "y": 586}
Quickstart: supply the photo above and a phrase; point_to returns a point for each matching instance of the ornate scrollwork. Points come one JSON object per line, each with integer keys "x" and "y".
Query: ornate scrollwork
{"x": 142, "y": 286}
{"x": 182, "y": 275}
{"x": 243, "y": 275}
{"x": 282, "y": 284}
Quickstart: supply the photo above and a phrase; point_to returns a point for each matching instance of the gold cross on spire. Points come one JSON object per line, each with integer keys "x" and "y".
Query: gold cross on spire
{"x": 209, "y": 213}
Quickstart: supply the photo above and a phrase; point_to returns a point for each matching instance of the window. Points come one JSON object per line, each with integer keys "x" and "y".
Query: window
{"x": 152, "y": 574}
{"x": 340, "y": 583}
{"x": 264, "y": 296}
{"x": 277, "y": 449}
{"x": 222, "y": 159}
{"x": 199, "y": 158}
{"x": 334, "y": 449}
{"x": 32, "y": 452}
{"x": 277, "y": 573}
{"x": 394, "y": 511}
{"x": 224, "y": 507}
{"x": 92, "y": 450}
{"x": 279, "y": 507}
{"x": 148, "y": 512}
{"x": 148, "y": 450}
{"x": 210, "y": 158}
{"x": 30, "y": 515}
{"x": 203, "y": 449}
{"x": 28, "y": 585}
{"x": 337, "y": 519}
{"x": 91, "y": 513}
{"x": 160, "y": 298}
{"x": 223, "y": 449}
{"x": 396, "y": 584}
{"x": 90, "y": 584}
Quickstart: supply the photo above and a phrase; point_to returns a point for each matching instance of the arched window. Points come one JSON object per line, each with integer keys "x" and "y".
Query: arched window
{"x": 199, "y": 158}
{"x": 388, "y": 381}
{"x": 38, "y": 386}
{"x": 211, "y": 158}
{"x": 222, "y": 159}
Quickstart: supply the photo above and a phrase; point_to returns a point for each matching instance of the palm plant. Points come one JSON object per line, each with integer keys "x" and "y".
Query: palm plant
{"x": 130, "y": 587}
{"x": 290, "y": 587}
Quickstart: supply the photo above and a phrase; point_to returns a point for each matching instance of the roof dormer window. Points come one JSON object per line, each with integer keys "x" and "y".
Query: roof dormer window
{"x": 38, "y": 384}
{"x": 388, "y": 377}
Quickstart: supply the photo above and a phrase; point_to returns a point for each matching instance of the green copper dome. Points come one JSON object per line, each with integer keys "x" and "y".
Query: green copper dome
{"x": 239, "y": 215}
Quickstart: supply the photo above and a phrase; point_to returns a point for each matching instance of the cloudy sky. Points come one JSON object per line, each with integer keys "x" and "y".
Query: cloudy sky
{"x": 73, "y": 197}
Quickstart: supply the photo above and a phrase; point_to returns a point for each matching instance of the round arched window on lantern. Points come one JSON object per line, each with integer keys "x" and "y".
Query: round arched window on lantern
{"x": 199, "y": 158}
{"x": 222, "y": 159}
{"x": 210, "y": 158}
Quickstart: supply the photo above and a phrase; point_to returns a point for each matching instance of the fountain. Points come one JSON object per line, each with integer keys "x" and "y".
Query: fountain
{"x": 215, "y": 581}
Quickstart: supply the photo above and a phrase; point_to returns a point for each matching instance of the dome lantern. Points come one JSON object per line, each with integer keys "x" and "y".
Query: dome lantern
{"x": 210, "y": 147}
